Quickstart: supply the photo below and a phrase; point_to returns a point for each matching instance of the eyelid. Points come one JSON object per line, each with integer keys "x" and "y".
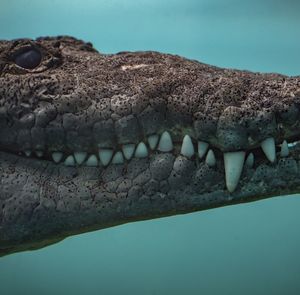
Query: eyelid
{"x": 20, "y": 49}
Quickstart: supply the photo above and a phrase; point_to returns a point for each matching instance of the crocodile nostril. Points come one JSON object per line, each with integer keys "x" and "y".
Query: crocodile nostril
{"x": 29, "y": 59}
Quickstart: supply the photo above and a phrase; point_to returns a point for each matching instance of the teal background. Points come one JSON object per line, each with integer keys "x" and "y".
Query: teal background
{"x": 244, "y": 249}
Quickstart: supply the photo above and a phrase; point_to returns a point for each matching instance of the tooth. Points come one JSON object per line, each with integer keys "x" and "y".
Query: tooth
{"x": 92, "y": 161}
{"x": 141, "y": 151}
{"x": 57, "y": 156}
{"x": 165, "y": 143}
{"x": 292, "y": 144}
{"x": 202, "y": 148}
{"x": 80, "y": 157}
{"x": 39, "y": 153}
{"x": 128, "y": 150}
{"x": 27, "y": 153}
{"x": 268, "y": 147}
{"x": 105, "y": 156}
{"x": 187, "y": 148}
{"x": 233, "y": 162}
{"x": 153, "y": 140}
{"x": 250, "y": 160}
{"x": 210, "y": 159}
{"x": 69, "y": 161}
{"x": 118, "y": 158}
{"x": 284, "y": 152}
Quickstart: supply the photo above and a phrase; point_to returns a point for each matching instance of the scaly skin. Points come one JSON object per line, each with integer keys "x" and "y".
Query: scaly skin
{"x": 77, "y": 99}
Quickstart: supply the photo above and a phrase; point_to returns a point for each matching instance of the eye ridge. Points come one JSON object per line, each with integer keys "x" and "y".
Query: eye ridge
{"x": 28, "y": 58}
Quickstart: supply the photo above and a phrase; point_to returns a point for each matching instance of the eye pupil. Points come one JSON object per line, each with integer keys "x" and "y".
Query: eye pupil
{"x": 28, "y": 59}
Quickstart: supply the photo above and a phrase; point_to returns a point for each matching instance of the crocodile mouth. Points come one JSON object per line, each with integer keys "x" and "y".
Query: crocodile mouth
{"x": 200, "y": 153}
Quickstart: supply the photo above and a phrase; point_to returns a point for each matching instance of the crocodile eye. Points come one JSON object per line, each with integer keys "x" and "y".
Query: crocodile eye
{"x": 28, "y": 59}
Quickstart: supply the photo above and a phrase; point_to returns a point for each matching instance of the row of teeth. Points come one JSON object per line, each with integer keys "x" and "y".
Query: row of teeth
{"x": 233, "y": 161}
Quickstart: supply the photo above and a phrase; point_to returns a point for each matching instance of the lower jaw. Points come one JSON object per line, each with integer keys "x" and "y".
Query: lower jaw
{"x": 164, "y": 185}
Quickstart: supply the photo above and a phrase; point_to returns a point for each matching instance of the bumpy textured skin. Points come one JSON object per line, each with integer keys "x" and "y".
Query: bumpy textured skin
{"x": 78, "y": 99}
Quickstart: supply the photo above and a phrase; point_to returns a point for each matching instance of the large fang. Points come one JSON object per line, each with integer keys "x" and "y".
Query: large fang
{"x": 233, "y": 162}
{"x": 187, "y": 148}
{"x": 165, "y": 143}
{"x": 268, "y": 147}
{"x": 105, "y": 156}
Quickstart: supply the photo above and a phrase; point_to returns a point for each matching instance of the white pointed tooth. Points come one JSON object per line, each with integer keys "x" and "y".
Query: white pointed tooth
{"x": 284, "y": 152}
{"x": 153, "y": 140}
{"x": 141, "y": 151}
{"x": 292, "y": 144}
{"x": 233, "y": 162}
{"x": 128, "y": 150}
{"x": 250, "y": 160}
{"x": 57, "y": 156}
{"x": 105, "y": 156}
{"x": 80, "y": 157}
{"x": 202, "y": 148}
{"x": 165, "y": 143}
{"x": 268, "y": 147}
{"x": 70, "y": 161}
{"x": 210, "y": 159}
{"x": 27, "y": 153}
{"x": 39, "y": 153}
{"x": 187, "y": 147}
{"x": 118, "y": 158}
{"x": 92, "y": 161}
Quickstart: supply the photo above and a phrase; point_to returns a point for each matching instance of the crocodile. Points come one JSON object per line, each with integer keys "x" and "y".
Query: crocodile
{"x": 91, "y": 140}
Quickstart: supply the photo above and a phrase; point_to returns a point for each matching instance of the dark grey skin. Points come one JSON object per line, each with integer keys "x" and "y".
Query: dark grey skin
{"x": 77, "y": 99}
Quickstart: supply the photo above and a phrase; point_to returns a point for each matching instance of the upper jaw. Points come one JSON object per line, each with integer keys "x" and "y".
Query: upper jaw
{"x": 231, "y": 110}
{"x": 234, "y": 135}
{"x": 226, "y": 144}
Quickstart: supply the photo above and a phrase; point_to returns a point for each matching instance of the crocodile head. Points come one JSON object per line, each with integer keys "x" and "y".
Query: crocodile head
{"x": 91, "y": 140}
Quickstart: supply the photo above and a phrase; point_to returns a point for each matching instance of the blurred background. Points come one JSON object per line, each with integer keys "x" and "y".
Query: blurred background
{"x": 244, "y": 249}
